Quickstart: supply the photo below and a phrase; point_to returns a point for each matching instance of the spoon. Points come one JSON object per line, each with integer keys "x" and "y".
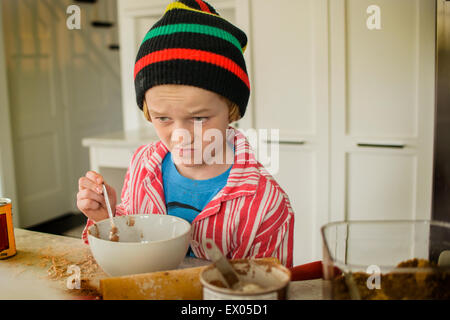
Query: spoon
{"x": 113, "y": 236}
{"x": 222, "y": 264}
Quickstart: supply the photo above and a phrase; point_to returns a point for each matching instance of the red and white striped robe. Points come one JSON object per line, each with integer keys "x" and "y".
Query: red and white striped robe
{"x": 250, "y": 217}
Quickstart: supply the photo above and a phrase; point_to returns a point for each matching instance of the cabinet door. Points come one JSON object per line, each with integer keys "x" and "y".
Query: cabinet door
{"x": 290, "y": 94}
{"x": 135, "y": 19}
{"x": 297, "y": 175}
{"x": 37, "y": 118}
{"x": 382, "y": 84}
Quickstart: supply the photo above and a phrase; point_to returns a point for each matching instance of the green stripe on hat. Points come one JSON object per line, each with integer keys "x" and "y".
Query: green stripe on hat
{"x": 194, "y": 28}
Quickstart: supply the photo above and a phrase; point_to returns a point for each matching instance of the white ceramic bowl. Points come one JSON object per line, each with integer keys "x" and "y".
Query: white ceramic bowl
{"x": 147, "y": 243}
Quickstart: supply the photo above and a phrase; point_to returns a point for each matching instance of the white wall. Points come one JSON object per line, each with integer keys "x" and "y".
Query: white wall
{"x": 63, "y": 86}
{"x": 7, "y": 181}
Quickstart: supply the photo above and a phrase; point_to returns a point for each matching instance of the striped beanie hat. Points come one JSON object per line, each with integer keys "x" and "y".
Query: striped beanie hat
{"x": 192, "y": 45}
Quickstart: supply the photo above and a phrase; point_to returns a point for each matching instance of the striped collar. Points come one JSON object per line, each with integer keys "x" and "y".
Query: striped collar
{"x": 244, "y": 175}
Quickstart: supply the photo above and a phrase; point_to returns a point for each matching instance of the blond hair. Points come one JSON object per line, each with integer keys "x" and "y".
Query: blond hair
{"x": 233, "y": 111}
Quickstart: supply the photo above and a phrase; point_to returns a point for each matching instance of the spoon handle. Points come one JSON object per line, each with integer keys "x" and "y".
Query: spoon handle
{"x": 221, "y": 263}
{"x": 108, "y": 205}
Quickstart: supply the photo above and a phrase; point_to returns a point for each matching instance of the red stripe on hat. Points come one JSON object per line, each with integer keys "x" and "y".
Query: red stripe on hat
{"x": 203, "y": 6}
{"x": 192, "y": 54}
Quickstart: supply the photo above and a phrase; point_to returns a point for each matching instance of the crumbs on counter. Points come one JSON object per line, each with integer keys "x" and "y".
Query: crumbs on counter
{"x": 57, "y": 266}
{"x": 430, "y": 284}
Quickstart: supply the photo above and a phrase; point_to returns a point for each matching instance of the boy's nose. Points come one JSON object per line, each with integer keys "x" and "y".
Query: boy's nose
{"x": 187, "y": 134}
{"x": 182, "y": 135}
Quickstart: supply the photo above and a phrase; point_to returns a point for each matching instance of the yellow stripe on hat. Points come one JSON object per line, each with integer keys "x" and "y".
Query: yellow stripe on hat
{"x": 180, "y": 5}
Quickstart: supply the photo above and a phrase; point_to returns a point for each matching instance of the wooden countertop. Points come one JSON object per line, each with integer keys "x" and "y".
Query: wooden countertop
{"x": 46, "y": 259}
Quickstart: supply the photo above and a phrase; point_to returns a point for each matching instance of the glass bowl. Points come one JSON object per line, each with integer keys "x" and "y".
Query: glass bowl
{"x": 377, "y": 260}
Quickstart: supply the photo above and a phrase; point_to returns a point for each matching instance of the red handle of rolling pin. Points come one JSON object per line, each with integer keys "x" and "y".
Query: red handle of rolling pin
{"x": 309, "y": 271}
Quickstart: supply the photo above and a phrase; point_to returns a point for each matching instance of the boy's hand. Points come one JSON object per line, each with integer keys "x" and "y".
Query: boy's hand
{"x": 90, "y": 199}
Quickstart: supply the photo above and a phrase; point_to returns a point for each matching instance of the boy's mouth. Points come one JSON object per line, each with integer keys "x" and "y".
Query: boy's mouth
{"x": 184, "y": 150}
{"x": 188, "y": 148}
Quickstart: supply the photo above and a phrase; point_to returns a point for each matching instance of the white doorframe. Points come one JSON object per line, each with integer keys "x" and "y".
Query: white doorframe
{"x": 7, "y": 175}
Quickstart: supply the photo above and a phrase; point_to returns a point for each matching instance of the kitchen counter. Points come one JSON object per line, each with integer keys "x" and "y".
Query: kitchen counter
{"x": 110, "y": 153}
{"x": 51, "y": 260}
{"x": 127, "y": 139}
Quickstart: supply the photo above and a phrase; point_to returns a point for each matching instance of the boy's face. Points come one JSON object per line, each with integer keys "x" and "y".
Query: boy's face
{"x": 183, "y": 116}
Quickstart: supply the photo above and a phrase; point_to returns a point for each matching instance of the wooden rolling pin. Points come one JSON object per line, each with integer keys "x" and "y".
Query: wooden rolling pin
{"x": 180, "y": 284}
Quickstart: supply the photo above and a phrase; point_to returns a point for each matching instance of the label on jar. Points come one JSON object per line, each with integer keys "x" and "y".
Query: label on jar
{"x": 4, "y": 242}
{"x": 7, "y": 242}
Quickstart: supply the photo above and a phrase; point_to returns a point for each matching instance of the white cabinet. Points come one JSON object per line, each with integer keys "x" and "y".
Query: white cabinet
{"x": 290, "y": 93}
{"x": 382, "y": 84}
{"x": 361, "y": 100}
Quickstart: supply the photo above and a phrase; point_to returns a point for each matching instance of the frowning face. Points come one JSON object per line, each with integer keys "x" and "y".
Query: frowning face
{"x": 185, "y": 118}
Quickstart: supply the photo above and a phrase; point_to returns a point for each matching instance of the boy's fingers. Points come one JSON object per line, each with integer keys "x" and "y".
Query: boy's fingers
{"x": 86, "y": 183}
{"x": 87, "y": 204}
{"x": 94, "y": 176}
{"x": 88, "y": 194}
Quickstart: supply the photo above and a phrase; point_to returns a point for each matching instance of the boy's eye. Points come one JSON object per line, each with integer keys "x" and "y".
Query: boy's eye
{"x": 163, "y": 119}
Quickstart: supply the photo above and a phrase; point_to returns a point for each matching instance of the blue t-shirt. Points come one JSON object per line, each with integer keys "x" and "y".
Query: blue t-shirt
{"x": 185, "y": 197}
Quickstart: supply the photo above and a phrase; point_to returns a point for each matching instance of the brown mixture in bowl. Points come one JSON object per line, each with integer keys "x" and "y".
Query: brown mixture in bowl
{"x": 425, "y": 285}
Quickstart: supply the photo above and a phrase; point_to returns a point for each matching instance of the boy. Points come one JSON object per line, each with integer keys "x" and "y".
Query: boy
{"x": 191, "y": 83}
